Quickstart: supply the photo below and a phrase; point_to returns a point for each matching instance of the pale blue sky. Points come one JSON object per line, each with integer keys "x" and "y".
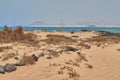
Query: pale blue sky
{"x": 24, "y": 12}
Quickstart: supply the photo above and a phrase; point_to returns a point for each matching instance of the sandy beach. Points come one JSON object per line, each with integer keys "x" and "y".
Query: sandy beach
{"x": 61, "y": 55}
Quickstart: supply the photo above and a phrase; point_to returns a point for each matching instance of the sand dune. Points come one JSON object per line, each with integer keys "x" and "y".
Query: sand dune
{"x": 66, "y": 57}
{"x": 105, "y": 63}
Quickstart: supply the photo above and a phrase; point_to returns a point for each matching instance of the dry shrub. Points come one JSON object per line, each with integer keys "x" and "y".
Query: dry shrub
{"x": 4, "y": 48}
{"x": 104, "y": 39}
{"x": 78, "y": 59}
{"x": 81, "y": 57}
{"x": 9, "y": 56}
{"x": 69, "y": 68}
{"x": 54, "y": 64}
{"x": 70, "y": 62}
{"x": 30, "y": 36}
{"x": 0, "y": 36}
{"x": 28, "y": 60}
{"x": 73, "y": 74}
{"x": 17, "y": 34}
{"x": 30, "y": 39}
{"x": 58, "y": 39}
{"x": 9, "y": 35}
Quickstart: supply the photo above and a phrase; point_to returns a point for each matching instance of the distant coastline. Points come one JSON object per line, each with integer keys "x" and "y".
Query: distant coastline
{"x": 72, "y": 25}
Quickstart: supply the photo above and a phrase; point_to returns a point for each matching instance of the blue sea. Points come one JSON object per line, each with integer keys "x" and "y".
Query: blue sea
{"x": 109, "y": 29}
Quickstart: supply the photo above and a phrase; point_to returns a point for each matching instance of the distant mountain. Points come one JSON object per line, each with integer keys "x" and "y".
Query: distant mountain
{"x": 37, "y": 23}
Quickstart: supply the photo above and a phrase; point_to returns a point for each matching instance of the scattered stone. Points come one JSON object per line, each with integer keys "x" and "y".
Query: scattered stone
{"x": 78, "y": 52}
{"x": 50, "y": 50}
{"x": 71, "y": 48}
{"x": 60, "y": 72}
{"x": 41, "y": 55}
{"x": 75, "y": 36}
{"x": 35, "y": 57}
{"x": 88, "y": 47}
{"x": 118, "y": 49}
{"x": 16, "y": 58}
{"x": 89, "y": 66}
{"x": 2, "y": 70}
{"x": 98, "y": 44}
{"x": 72, "y": 32}
{"x": 10, "y": 67}
{"x": 61, "y": 51}
{"x": 20, "y": 63}
{"x": 49, "y": 57}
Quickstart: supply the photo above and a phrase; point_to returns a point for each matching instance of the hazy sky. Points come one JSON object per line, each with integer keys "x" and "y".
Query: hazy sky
{"x": 24, "y": 12}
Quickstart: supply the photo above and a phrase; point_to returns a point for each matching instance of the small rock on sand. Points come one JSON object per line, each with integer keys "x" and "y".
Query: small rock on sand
{"x": 41, "y": 55}
{"x": 71, "y": 48}
{"x": 35, "y": 57}
{"x": 49, "y": 57}
{"x": 20, "y": 63}
{"x": 10, "y": 67}
{"x": 2, "y": 70}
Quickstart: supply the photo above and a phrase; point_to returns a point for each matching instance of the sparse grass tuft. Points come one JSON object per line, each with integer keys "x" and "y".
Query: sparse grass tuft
{"x": 104, "y": 39}
{"x": 9, "y": 56}
{"x": 4, "y": 48}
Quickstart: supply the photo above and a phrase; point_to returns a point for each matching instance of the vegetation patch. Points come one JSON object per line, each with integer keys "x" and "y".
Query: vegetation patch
{"x": 8, "y": 35}
{"x": 58, "y": 39}
{"x": 5, "y": 48}
{"x": 9, "y": 56}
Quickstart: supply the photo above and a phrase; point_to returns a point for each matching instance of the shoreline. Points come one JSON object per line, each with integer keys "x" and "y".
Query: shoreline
{"x": 108, "y": 29}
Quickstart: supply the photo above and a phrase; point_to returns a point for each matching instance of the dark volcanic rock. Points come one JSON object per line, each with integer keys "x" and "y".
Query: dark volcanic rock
{"x": 49, "y": 57}
{"x": 35, "y": 57}
{"x": 41, "y": 55}
{"x": 75, "y": 36}
{"x": 20, "y": 63}
{"x": 78, "y": 52}
{"x": 2, "y": 70}
{"x": 71, "y": 48}
{"x": 72, "y": 32}
{"x": 10, "y": 67}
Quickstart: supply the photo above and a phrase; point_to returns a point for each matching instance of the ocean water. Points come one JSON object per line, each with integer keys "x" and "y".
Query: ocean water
{"x": 109, "y": 29}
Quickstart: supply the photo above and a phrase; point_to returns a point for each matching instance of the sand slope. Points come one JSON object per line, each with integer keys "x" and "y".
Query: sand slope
{"x": 106, "y": 64}
{"x": 105, "y": 61}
